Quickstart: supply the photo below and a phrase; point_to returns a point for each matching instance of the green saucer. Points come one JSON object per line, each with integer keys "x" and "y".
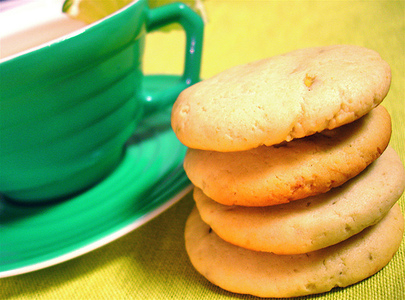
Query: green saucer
{"x": 149, "y": 179}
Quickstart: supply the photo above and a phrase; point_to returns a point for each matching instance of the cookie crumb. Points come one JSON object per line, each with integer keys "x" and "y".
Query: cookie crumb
{"x": 309, "y": 80}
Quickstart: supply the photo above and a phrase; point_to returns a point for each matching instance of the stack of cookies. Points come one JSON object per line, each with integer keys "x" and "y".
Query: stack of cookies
{"x": 296, "y": 187}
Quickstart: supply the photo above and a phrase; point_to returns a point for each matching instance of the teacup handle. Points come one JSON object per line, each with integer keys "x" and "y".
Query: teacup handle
{"x": 162, "y": 90}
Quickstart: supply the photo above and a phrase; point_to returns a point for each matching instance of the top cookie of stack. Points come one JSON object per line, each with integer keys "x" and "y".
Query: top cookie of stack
{"x": 281, "y": 98}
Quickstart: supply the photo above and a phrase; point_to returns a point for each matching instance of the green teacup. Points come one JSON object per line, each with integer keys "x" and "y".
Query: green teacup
{"x": 67, "y": 108}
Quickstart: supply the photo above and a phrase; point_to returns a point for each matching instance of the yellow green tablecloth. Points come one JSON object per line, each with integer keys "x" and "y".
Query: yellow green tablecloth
{"x": 151, "y": 262}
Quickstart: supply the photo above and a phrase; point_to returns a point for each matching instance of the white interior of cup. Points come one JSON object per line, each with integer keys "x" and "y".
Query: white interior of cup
{"x": 26, "y": 24}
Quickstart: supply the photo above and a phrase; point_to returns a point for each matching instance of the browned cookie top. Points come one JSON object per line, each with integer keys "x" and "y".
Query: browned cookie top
{"x": 292, "y": 170}
{"x": 281, "y": 98}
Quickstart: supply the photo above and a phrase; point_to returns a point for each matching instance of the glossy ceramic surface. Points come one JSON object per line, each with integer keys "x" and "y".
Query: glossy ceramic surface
{"x": 149, "y": 179}
{"x": 68, "y": 107}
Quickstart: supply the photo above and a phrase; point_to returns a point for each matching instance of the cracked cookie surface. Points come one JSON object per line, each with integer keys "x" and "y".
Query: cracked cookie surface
{"x": 281, "y": 98}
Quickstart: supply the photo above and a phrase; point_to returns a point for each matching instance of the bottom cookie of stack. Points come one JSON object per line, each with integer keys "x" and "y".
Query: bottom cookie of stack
{"x": 265, "y": 274}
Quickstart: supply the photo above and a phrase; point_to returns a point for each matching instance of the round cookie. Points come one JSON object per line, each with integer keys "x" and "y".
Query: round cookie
{"x": 266, "y": 274}
{"x": 315, "y": 222}
{"x": 281, "y": 98}
{"x": 292, "y": 170}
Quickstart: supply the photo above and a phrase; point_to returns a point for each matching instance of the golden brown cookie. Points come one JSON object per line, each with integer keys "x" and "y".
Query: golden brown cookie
{"x": 281, "y": 98}
{"x": 266, "y": 274}
{"x": 315, "y": 222}
{"x": 292, "y": 170}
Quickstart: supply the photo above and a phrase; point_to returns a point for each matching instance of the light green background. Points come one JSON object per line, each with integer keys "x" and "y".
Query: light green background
{"x": 151, "y": 262}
